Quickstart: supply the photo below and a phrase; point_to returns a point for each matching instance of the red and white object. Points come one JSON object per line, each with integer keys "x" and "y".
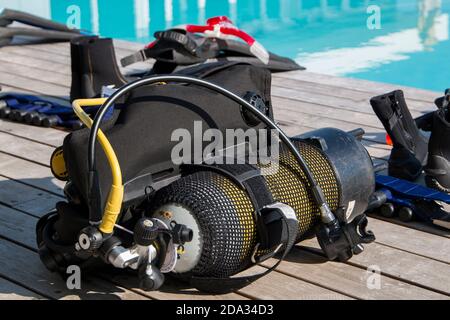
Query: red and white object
{"x": 222, "y": 27}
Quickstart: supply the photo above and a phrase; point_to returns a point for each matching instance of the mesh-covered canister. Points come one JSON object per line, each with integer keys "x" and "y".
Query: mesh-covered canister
{"x": 221, "y": 213}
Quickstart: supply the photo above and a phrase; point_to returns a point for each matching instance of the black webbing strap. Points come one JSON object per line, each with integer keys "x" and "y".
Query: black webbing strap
{"x": 225, "y": 285}
{"x": 277, "y": 227}
{"x": 180, "y": 39}
{"x": 173, "y": 39}
{"x": 139, "y": 56}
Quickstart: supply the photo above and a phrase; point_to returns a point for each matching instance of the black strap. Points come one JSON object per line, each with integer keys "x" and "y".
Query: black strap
{"x": 246, "y": 176}
{"x": 178, "y": 38}
{"x": 139, "y": 56}
{"x": 226, "y": 285}
{"x": 171, "y": 39}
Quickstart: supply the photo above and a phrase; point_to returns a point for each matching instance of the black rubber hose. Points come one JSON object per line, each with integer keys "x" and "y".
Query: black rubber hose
{"x": 316, "y": 190}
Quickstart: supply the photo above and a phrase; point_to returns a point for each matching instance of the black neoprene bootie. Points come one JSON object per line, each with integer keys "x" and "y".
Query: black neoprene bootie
{"x": 94, "y": 65}
{"x": 409, "y": 152}
{"x": 438, "y": 166}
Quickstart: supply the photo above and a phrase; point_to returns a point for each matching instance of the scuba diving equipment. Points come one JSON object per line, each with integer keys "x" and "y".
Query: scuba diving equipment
{"x": 46, "y": 30}
{"x": 423, "y": 122}
{"x": 39, "y": 111}
{"x": 94, "y": 62}
{"x": 410, "y": 200}
{"x": 438, "y": 166}
{"x": 221, "y": 27}
{"x": 93, "y": 65}
{"x": 180, "y": 47}
{"x": 409, "y": 152}
{"x": 233, "y": 216}
{"x": 343, "y": 148}
{"x": 444, "y": 101}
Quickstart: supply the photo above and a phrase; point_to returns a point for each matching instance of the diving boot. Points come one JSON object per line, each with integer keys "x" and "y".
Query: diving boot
{"x": 438, "y": 166}
{"x": 94, "y": 65}
{"x": 409, "y": 152}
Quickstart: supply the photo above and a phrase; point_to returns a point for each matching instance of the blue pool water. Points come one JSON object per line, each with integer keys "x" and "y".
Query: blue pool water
{"x": 411, "y": 47}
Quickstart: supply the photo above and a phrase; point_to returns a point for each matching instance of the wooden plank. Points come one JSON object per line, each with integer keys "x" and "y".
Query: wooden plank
{"x": 24, "y": 267}
{"x": 12, "y": 291}
{"x": 410, "y": 240}
{"x": 351, "y": 95}
{"x": 59, "y": 59}
{"x": 416, "y": 225}
{"x": 347, "y": 279}
{"x": 298, "y": 109}
{"x": 18, "y": 227}
{"x": 280, "y": 286}
{"x": 44, "y": 76}
{"x": 272, "y": 286}
{"x": 18, "y": 58}
{"x": 56, "y": 58}
{"x": 32, "y": 85}
{"x": 128, "y": 45}
{"x": 171, "y": 290}
{"x": 121, "y": 47}
{"x": 30, "y": 174}
{"x": 25, "y": 149}
{"x": 49, "y": 136}
{"x": 363, "y": 107}
{"x": 359, "y": 84}
{"x": 25, "y": 198}
{"x": 419, "y": 271}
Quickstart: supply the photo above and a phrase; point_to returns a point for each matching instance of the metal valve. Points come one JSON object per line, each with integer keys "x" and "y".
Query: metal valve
{"x": 89, "y": 239}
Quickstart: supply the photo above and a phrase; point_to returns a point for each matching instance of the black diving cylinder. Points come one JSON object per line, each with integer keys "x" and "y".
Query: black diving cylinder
{"x": 220, "y": 212}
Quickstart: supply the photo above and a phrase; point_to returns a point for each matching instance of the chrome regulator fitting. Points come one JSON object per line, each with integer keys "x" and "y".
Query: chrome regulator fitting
{"x": 152, "y": 254}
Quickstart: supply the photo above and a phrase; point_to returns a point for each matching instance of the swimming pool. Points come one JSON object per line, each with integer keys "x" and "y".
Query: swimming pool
{"x": 410, "y": 47}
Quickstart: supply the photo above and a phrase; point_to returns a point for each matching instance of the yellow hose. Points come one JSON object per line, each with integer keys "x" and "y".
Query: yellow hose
{"x": 115, "y": 196}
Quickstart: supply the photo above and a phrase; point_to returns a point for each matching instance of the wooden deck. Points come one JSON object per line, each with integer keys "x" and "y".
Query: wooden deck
{"x": 414, "y": 259}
